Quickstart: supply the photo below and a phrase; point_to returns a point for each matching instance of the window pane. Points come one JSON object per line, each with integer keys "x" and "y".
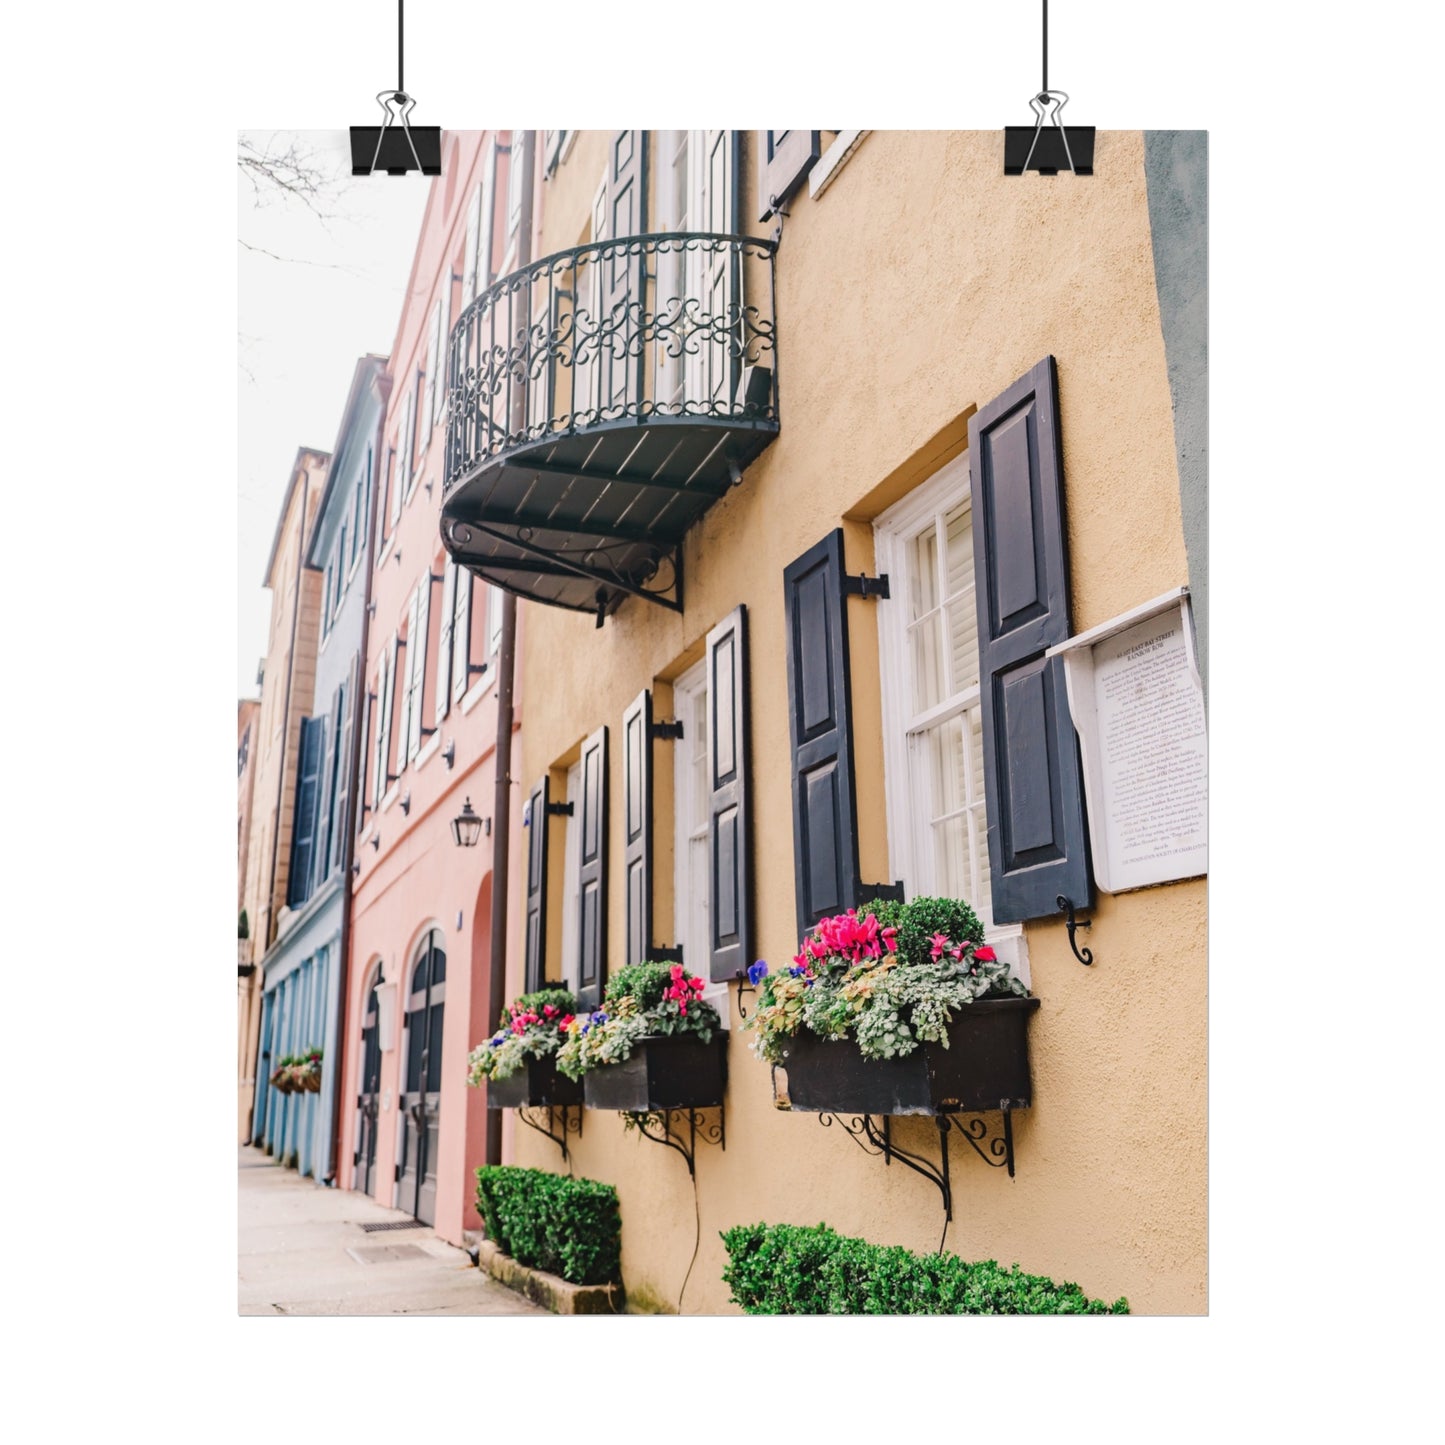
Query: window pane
{"x": 927, "y": 658}
{"x": 980, "y": 896}
{"x": 925, "y": 574}
{"x": 962, "y": 623}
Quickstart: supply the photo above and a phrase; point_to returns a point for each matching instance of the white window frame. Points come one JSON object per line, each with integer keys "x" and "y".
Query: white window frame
{"x": 909, "y": 854}
{"x": 571, "y": 883}
{"x": 691, "y": 825}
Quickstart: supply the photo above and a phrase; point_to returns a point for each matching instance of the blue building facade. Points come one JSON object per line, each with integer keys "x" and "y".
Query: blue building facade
{"x": 304, "y": 970}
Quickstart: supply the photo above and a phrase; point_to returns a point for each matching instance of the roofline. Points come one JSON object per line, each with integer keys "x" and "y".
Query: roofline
{"x": 370, "y": 366}
{"x": 298, "y": 469}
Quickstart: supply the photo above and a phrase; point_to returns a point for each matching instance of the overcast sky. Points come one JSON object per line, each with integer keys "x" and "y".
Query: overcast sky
{"x": 303, "y": 322}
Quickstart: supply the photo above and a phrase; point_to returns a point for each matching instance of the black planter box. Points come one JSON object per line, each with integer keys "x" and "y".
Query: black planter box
{"x": 666, "y": 1071}
{"x": 536, "y": 1083}
{"x": 985, "y": 1066}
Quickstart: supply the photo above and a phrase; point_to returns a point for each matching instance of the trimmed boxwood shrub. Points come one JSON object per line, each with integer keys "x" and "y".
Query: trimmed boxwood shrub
{"x": 568, "y": 1227}
{"x": 789, "y": 1269}
{"x": 920, "y": 919}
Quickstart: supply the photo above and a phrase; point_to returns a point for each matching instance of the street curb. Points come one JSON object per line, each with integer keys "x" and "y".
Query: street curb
{"x": 547, "y": 1290}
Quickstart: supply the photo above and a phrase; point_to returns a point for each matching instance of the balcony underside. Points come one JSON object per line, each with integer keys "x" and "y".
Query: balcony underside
{"x": 586, "y": 519}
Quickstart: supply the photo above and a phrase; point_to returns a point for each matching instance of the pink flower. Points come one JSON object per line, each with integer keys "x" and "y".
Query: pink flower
{"x": 566, "y": 1022}
{"x": 698, "y": 985}
{"x": 548, "y": 1009}
{"x": 985, "y": 954}
{"x": 940, "y": 944}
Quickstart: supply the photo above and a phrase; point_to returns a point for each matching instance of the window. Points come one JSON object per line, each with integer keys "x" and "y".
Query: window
{"x": 494, "y": 619}
{"x": 461, "y": 633}
{"x": 431, "y": 391}
{"x": 933, "y": 712}
{"x": 410, "y": 471}
{"x": 514, "y": 186}
{"x": 692, "y": 825}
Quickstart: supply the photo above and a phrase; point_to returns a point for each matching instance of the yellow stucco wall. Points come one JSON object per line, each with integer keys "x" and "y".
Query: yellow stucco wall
{"x": 916, "y": 288}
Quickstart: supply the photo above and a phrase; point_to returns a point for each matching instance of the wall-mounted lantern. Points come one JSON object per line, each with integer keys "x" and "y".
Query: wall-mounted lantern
{"x": 468, "y": 825}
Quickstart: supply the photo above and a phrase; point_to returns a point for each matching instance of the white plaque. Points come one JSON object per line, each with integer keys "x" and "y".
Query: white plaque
{"x": 1138, "y": 707}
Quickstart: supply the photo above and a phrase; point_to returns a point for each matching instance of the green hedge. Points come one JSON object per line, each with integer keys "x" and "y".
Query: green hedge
{"x": 568, "y": 1227}
{"x": 789, "y": 1269}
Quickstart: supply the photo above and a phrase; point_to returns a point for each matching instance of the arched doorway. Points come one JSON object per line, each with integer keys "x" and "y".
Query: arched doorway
{"x": 368, "y": 1091}
{"x": 421, "y": 1096}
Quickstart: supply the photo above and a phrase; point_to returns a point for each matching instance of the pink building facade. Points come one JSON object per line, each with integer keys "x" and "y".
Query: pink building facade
{"x": 412, "y": 1132}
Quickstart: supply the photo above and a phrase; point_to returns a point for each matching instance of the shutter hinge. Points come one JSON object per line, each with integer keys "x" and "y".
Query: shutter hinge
{"x": 865, "y": 586}
{"x": 473, "y": 668}
{"x": 664, "y": 728}
{"x": 559, "y": 810}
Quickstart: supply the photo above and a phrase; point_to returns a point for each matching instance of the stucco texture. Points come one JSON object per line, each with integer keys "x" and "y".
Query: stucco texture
{"x": 915, "y": 289}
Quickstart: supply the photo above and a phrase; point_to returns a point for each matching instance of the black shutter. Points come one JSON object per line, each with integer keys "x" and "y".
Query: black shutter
{"x": 637, "y": 824}
{"x": 536, "y": 955}
{"x": 303, "y": 822}
{"x": 728, "y": 830}
{"x": 330, "y": 780}
{"x": 1037, "y": 841}
{"x": 825, "y": 837}
{"x": 784, "y": 159}
{"x": 591, "y": 816}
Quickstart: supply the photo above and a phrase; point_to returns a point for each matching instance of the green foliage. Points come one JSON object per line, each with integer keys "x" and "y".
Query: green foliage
{"x": 568, "y": 1227}
{"x": 921, "y": 918}
{"x": 559, "y": 999}
{"x": 643, "y": 983}
{"x": 531, "y": 1029}
{"x": 788, "y": 1269}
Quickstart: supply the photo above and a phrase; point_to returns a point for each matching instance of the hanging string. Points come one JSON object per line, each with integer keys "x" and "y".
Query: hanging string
{"x": 401, "y": 44}
{"x": 1045, "y": 90}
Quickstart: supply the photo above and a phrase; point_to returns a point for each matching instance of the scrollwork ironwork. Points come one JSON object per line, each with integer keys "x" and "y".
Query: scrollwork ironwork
{"x": 657, "y": 1126}
{"x": 550, "y": 1129}
{"x": 639, "y": 329}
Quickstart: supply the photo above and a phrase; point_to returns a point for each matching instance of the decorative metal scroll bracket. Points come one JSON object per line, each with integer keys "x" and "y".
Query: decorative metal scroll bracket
{"x": 551, "y": 1130}
{"x": 877, "y": 1140}
{"x": 658, "y": 1127}
{"x": 865, "y": 586}
{"x": 745, "y": 985}
{"x": 1000, "y": 1149}
{"x": 1066, "y": 907}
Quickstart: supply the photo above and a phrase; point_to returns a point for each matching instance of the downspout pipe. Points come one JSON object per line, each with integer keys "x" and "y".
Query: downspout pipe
{"x": 353, "y": 797}
{"x": 506, "y": 677}
{"x": 281, "y": 775}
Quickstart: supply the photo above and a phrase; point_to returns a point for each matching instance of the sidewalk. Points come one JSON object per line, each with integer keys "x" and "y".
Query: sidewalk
{"x": 302, "y": 1251}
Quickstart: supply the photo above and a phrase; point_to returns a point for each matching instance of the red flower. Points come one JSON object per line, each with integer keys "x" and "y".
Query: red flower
{"x": 566, "y": 1022}
{"x": 698, "y": 985}
{"x": 985, "y": 954}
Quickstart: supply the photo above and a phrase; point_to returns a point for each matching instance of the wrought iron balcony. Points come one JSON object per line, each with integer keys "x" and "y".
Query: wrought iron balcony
{"x": 599, "y": 401}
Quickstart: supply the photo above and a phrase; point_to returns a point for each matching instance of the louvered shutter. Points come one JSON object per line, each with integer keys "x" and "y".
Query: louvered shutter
{"x": 433, "y": 351}
{"x": 591, "y": 816}
{"x": 1037, "y": 839}
{"x": 346, "y": 707}
{"x": 469, "y": 255}
{"x": 444, "y": 643}
{"x": 325, "y": 796}
{"x": 825, "y": 837}
{"x": 489, "y": 207}
{"x": 303, "y": 822}
{"x": 729, "y": 915}
{"x": 408, "y": 444}
{"x": 784, "y": 159}
{"x": 416, "y": 665}
{"x": 537, "y": 819}
{"x": 637, "y": 825}
{"x": 551, "y": 150}
{"x": 363, "y": 755}
{"x": 462, "y": 633}
{"x": 622, "y": 273}
{"x": 387, "y": 694}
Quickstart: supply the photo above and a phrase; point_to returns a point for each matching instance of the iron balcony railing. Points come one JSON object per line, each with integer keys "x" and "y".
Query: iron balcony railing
{"x": 633, "y": 332}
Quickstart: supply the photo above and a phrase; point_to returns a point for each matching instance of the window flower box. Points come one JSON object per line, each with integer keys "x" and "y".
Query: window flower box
{"x": 663, "y": 1071}
{"x": 535, "y": 1084}
{"x": 984, "y": 1066}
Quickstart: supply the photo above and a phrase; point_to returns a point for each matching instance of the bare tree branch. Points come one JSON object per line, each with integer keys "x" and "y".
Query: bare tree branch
{"x": 284, "y": 171}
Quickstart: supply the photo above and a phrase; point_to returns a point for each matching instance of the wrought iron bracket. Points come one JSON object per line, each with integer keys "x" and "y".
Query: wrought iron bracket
{"x": 551, "y": 1130}
{"x": 744, "y": 986}
{"x": 877, "y": 1140}
{"x": 665, "y": 728}
{"x": 1000, "y": 1149}
{"x": 865, "y": 586}
{"x": 1066, "y": 907}
{"x": 658, "y": 1127}
{"x": 560, "y": 810}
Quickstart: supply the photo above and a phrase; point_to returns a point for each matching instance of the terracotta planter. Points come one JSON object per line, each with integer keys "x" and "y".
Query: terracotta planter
{"x": 537, "y": 1083}
{"x": 669, "y": 1071}
{"x": 985, "y": 1066}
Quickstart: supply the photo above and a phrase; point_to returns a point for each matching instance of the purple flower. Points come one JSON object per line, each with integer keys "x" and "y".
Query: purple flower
{"x": 599, "y": 1017}
{"x": 756, "y": 972}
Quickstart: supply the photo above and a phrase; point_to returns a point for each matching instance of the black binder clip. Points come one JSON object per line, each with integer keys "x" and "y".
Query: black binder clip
{"x": 396, "y": 149}
{"x": 1048, "y": 150}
